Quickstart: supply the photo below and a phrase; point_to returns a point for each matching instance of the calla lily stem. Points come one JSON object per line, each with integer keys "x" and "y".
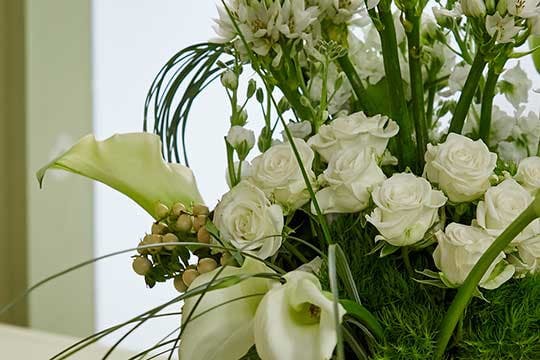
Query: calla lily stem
{"x": 417, "y": 87}
{"x": 398, "y": 104}
{"x": 487, "y": 104}
{"x": 469, "y": 89}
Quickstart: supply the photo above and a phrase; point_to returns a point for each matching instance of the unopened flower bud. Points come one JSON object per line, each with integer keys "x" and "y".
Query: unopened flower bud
{"x": 161, "y": 210}
{"x": 142, "y": 251}
{"x": 226, "y": 259}
{"x": 203, "y": 236}
{"x": 229, "y": 80}
{"x": 473, "y": 8}
{"x": 178, "y": 209}
{"x": 184, "y": 223}
{"x": 153, "y": 239}
{"x": 170, "y": 238}
{"x": 199, "y": 221}
{"x": 141, "y": 265}
{"x": 179, "y": 284}
{"x": 200, "y": 209}
{"x": 206, "y": 265}
{"x": 159, "y": 228}
{"x": 241, "y": 139}
{"x": 189, "y": 275}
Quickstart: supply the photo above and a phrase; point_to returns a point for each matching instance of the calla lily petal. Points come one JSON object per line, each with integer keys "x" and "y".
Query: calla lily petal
{"x": 225, "y": 331}
{"x": 132, "y": 164}
{"x": 295, "y": 321}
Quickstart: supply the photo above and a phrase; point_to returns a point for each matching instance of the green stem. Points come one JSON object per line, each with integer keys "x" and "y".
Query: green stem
{"x": 468, "y": 288}
{"x": 356, "y": 83}
{"x": 398, "y": 104}
{"x": 431, "y": 103}
{"x": 407, "y": 261}
{"x": 291, "y": 94}
{"x": 417, "y": 86}
{"x": 465, "y": 100}
{"x": 487, "y": 104}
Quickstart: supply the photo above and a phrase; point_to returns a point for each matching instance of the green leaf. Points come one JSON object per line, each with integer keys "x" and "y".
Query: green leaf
{"x": 364, "y": 316}
{"x": 388, "y": 249}
{"x": 534, "y": 41}
{"x": 132, "y": 164}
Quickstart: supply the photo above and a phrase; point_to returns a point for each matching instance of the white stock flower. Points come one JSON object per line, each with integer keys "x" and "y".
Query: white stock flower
{"x": 296, "y": 320}
{"x": 511, "y": 151}
{"x": 355, "y": 130}
{"x": 501, "y": 125}
{"x": 458, "y": 250}
{"x": 241, "y": 139}
{"x": 523, "y": 8}
{"x": 366, "y": 57}
{"x": 473, "y": 8}
{"x": 516, "y": 85}
{"x": 247, "y": 220}
{"x": 338, "y": 97}
{"x": 501, "y": 205}
{"x": 406, "y": 207}
{"x": 300, "y": 130}
{"x": 527, "y": 131}
{"x": 461, "y": 167}
{"x": 350, "y": 175}
{"x": 528, "y": 173}
{"x": 457, "y": 79}
{"x": 505, "y": 28}
{"x": 225, "y": 332}
{"x": 278, "y": 173}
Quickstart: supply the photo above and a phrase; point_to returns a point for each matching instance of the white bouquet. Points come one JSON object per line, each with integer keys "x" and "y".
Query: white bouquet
{"x": 397, "y": 196}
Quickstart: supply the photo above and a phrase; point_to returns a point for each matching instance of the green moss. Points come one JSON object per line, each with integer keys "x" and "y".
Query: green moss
{"x": 507, "y": 327}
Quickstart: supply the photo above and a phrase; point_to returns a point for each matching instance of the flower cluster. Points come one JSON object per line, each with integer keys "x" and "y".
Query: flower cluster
{"x": 392, "y": 138}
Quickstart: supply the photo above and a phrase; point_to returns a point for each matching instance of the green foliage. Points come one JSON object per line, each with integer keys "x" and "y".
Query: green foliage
{"x": 508, "y": 327}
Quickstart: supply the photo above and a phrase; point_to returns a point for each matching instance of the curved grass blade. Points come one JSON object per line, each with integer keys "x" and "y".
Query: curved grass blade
{"x": 332, "y": 276}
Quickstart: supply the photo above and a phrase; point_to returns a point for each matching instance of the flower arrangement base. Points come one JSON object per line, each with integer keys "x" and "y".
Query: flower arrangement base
{"x": 506, "y": 326}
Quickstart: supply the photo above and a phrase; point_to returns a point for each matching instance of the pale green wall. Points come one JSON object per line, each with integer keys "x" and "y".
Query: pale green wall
{"x": 13, "y": 270}
{"x": 58, "y": 45}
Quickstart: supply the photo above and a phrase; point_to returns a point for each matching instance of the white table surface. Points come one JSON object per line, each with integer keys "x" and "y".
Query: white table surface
{"x": 18, "y": 343}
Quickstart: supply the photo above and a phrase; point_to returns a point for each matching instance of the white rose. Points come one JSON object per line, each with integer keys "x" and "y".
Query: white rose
{"x": 461, "y": 167}
{"x": 300, "y": 130}
{"x": 350, "y": 176}
{"x": 528, "y": 173}
{"x": 528, "y": 248}
{"x": 248, "y": 221}
{"x": 278, "y": 173}
{"x": 407, "y": 207}
{"x": 296, "y": 320}
{"x": 356, "y": 130}
{"x": 241, "y": 139}
{"x": 501, "y": 205}
{"x": 225, "y": 333}
{"x": 459, "y": 249}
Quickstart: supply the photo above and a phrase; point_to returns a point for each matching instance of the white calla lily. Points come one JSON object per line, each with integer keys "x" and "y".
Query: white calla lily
{"x": 132, "y": 164}
{"x": 295, "y": 321}
{"x": 221, "y": 326}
